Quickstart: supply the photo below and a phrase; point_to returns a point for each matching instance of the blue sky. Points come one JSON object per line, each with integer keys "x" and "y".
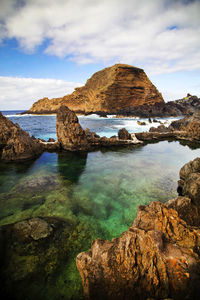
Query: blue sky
{"x": 49, "y": 47}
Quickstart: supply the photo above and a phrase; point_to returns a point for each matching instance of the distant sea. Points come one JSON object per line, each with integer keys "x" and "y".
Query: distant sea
{"x": 44, "y": 126}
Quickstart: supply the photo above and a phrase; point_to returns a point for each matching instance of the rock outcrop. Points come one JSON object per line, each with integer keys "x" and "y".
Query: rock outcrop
{"x": 72, "y": 137}
{"x": 15, "y": 143}
{"x": 120, "y": 87}
{"x": 187, "y": 129}
{"x": 158, "y": 257}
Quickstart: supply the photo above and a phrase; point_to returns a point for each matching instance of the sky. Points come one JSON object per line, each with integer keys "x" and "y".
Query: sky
{"x": 48, "y": 47}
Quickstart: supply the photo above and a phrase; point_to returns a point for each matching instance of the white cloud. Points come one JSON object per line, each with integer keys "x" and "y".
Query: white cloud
{"x": 21, "y": 93}
{"x": 90, "y": 31}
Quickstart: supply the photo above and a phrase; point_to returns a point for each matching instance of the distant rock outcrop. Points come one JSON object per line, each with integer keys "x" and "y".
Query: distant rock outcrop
{"x": 72, "y": 137}
{"x": 120, "y": 87}
{"x": 187, "y": 129}
{"x": 15, "y": 143}
{"x": 157, "y": 257}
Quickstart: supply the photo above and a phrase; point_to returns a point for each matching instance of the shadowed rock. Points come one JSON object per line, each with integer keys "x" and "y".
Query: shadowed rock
{"x": 15, "y": 143}
{"x": 72, "y": 137}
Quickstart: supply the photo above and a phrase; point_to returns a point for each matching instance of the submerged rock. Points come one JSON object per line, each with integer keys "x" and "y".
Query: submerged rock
{"x": 72, "y": 137}
{"x": 15, "y": 143}
{"x": 157, "y": 257}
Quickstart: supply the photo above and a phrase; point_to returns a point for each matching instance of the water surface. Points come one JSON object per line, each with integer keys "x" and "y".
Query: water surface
{"x": 98, "y": 193}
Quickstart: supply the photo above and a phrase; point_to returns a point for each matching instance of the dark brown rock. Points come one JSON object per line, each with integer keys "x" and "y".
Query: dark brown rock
{"x": 186, "y": 209}
{"x": 189, "y": 183}
{"x": 123, "y": 134}
{"x": 72, "y": 137}
{"x": 16, "y": 144}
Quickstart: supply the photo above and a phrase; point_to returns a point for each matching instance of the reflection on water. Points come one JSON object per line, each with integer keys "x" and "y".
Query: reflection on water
{"x": 97, "y": 193}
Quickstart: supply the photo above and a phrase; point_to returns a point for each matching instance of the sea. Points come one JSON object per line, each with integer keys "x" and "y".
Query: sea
{"x": 98, "y": 192}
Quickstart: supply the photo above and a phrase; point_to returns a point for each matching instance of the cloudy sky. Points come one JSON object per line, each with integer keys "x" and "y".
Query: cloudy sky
{"x": 48, "y": 47}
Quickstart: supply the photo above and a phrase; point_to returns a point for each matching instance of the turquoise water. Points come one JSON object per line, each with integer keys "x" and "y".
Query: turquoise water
{"x": 97, "y": 193}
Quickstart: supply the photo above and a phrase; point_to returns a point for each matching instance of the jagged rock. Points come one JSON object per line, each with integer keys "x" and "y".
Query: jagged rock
{"x": 187, "y": 129}
{"x": 16, "y": 144}
{"x": 156, "y": 258}
{"x": 70, "y": 134}
{"x": 123, "y": 134}
{"x": 120, "y": 87}
{"x": 187, "y": 210}
{"x": 160, "y": 128}
{"x": 72, "y": 137}
{"x": 189, "y": 183}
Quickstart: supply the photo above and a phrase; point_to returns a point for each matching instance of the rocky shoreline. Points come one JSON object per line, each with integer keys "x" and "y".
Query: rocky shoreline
{"x": 16, "y": 144}
{"x": 158, "y": 257}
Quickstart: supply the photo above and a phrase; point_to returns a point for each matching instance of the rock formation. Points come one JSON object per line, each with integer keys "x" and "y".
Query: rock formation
{"x": 72, "y": 137}
{"x": 16, "y": 144}
{"x": 158, "y": 257}
{"x": 120, "y": 87}
{"x": 187, "y": 129}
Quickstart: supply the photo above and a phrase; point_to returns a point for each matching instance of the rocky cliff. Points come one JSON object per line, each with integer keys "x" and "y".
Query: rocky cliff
{"x": 158, "y": 257}
{"x": 120, "y": 87}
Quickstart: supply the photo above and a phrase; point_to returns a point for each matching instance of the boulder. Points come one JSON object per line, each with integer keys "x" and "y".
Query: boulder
{"x": 123, "y": 134}
{"x": 15, "y": 143}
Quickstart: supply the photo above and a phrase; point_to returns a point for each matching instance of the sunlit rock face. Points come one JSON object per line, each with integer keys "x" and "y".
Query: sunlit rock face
{"x": 120, "y": 87}
{"x": 15, "y": 143}
{"x": 157, "y": 257}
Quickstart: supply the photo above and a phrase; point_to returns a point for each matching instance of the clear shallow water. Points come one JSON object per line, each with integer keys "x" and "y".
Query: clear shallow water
{"x": 98, "y": 193}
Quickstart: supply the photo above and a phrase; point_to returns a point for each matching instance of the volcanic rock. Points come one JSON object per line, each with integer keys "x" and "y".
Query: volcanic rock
{"x": 156, "y": 258}
{"x": 16, "y": 144}
{"x": 72, "y": 137}
{"x": 120, "y": 87}
{"x": 123, "y": 134}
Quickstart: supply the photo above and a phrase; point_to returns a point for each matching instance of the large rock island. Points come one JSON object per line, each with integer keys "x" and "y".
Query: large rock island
{"x": 117, "y": 88}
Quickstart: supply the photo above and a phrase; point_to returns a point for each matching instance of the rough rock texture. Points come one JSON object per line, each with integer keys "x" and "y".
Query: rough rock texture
{"x": 191, "y": 125}
{"x": 120, "y": 87}
{"x": 72, "y": 137}
{"x": 187, "y": 129}
{"x": 16, "y": 144}
{"x": 123, "y": 134}
{"x": 158, "y": 257}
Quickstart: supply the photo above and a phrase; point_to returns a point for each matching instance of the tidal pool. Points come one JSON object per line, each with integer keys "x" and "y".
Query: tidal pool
{"x": 97, "y": 193}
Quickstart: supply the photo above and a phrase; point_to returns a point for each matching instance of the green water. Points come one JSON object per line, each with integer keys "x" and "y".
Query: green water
{"x": 97, "y": 193}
